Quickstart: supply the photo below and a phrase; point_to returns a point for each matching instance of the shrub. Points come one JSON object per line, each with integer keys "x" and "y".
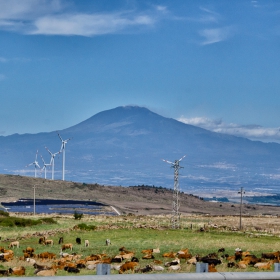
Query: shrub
{"x": 48, "y": 221}
{"x": 4, "y": 213}
{"x": 84, "y": 226}
{"x": 20, "y": 222}
{"x": 77, "y": 215}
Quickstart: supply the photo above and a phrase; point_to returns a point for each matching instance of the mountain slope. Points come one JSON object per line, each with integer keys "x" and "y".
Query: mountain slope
{"x": 126, "y": 145}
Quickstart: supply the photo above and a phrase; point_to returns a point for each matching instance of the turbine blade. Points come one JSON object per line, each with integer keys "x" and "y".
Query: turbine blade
{"x": 168, "y": 161}
{"x": 59, "y": 136}
{"x": 182, "y": 157}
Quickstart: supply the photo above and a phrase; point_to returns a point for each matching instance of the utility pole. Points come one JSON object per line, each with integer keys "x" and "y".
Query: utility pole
{"x": 240, "y": 216}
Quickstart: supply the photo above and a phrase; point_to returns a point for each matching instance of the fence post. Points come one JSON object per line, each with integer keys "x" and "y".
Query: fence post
{"x": 276, "y": 267}
{"x": 201, "y": 267}
{"x": 103, "y": 269}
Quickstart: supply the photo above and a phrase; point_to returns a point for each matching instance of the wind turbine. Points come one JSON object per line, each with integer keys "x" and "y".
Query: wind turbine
{"x": 62, "y": 149}
{"x": 35, "y": 163}
{"x": 45, "y": 166}
{"x": 175, "y": 219}
{"x": 52, "y": 160}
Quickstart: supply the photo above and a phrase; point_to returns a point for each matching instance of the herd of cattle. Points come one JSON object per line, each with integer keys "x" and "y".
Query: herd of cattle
{"x": 48, "y": 264}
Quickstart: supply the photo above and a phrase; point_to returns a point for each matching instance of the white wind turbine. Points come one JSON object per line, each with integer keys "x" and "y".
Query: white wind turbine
{"x": 35, "y": 163}
{"x": 62, "y": 149}
{"x": 52, "y": 160}
{"x": 45, "y": 166}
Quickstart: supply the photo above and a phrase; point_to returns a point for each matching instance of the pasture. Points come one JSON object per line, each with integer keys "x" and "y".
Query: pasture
{"x": 200, "y": 234}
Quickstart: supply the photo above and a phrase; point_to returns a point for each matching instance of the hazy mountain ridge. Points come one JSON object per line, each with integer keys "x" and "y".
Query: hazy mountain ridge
{"x": 126, "y": 145}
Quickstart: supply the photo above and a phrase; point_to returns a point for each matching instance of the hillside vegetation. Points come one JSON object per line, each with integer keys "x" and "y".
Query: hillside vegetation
{"x": 138, "y": 200}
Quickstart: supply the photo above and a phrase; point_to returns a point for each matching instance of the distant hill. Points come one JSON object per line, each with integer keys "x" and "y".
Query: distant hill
{"x": 125, "y": 146}
{"x": 137, "y": 200}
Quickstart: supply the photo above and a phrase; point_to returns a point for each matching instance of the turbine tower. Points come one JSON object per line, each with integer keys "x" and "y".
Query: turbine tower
{"x": 45, "y": 167}
{"x": 62, "y": 149}
{"x": 35, "y": 163}
{"x": 175, "y": 218}
{"x": 52, "y": 160}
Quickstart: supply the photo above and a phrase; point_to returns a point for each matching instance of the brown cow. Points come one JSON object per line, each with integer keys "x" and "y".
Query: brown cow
{"x": 49, "y": 272}
{"x": 48, "y": 242}
{"x": 128, "y": 266}
{"x": 18, "y": 270}
{"x": 67, "y": 246}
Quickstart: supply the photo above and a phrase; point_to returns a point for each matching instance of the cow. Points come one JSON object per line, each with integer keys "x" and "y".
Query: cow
{"x": 169, "y": 255}
{"x": 48, "y": 242}
{"x": 127, "y": 266}
{"x": 30, "y": 260}
{"x": 71, "y": 269}
{"x": 157, "y": 268}
{"x": 42, "y": 240}
{"x": 19, "y": 271}
{"x": 156, "y": 250}
{"x": 147, "y": 268}
{"x": 49, "y": 272}
{"x": 271, "y": 256}
{"x": 67, "y": 246}
{"x": 4, "y": 272}
{"x": 108, "y": 242}
{"x": 212, "y": 268}
{"x": 209, "y": 260}
{"x": 29, "y": 250}
{"x": 14, "y": 244}
{"x": 127, "y": 256}
{"x": 47, "y": 255}
{"x": 174, "y": 267}
{"x": 78, "y": 240}
{"x": 148, "y": 257}
{"x": 147, "y": 251}
{"x": 60, "y": 241}
{"x": 264, "y": 265}
{"x": 39, "y": 267}
{"x": 86, "y": 243}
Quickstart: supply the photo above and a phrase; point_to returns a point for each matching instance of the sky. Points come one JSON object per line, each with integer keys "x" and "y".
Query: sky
{"x": 214, "y": 64}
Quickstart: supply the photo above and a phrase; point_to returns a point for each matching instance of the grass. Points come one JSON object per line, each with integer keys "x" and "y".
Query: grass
{"x": 137, "y": 233}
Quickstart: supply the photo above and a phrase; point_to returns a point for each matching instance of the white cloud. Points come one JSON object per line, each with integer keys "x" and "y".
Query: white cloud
{"x": 2, "y": 77}
{"x": 215, "y": 35}
{"x": 88, "y": 25}
{"x": 3, "y": 59}
{"x": 253, "y": 132}
{"x": 220, "y": 165}
{"x": 53, "y": 18}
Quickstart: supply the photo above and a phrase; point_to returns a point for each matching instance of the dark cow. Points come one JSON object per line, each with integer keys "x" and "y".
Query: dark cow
{"x": 78, "y": 240}
{"x": 271, "y": 256}
{"x": 208, "y": 260}
{"x": 60, "y": 240}
{"x": 4, "y": 272}
{"x": 42, "y": 240}
{"x": 71, "y": 269}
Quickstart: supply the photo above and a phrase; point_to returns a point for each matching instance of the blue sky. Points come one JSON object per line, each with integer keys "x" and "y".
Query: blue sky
{"x": 214, "y": 63}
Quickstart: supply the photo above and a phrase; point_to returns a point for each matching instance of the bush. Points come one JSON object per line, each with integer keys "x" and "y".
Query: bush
{"x": 4, "y": 213}
{"x": 78, "y": 216}
{"x": 48, "y": 221}
{"x": 85, "y": 227}
{"x": 21, "y": 222}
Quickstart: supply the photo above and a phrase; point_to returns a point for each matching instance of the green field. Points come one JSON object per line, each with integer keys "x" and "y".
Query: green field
{"x": 135, "y": 233}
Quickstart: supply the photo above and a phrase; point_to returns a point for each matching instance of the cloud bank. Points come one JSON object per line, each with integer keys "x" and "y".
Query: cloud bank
{"x": 41, "y": 17}
{"x": 253, "y": 132}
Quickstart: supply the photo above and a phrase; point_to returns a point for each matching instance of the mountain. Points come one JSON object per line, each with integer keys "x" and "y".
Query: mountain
{"x": 125, "y": 146}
